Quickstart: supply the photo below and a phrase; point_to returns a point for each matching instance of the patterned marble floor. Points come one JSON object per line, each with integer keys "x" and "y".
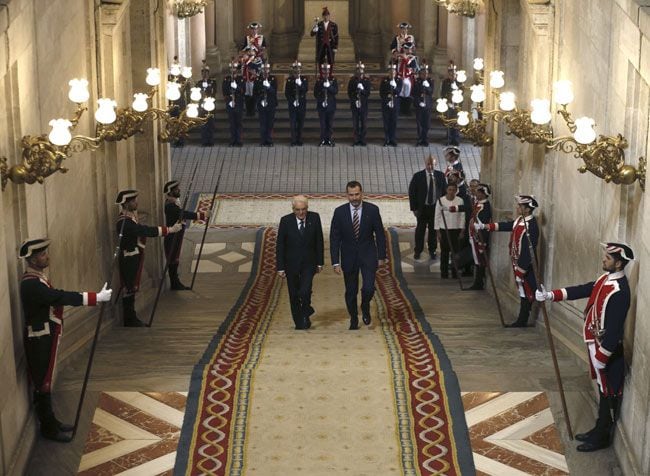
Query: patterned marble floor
{"x": 137, "y": 433}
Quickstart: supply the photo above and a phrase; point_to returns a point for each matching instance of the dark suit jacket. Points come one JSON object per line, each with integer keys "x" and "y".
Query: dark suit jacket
{"x": 419, "y": 186}
{"x": 295, "y": 251}
{"x": 371, "y": 245}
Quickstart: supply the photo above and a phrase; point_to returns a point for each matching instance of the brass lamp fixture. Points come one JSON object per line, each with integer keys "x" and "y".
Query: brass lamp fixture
{"x": 187, "y": 8}
{"x": 465, "y": 8}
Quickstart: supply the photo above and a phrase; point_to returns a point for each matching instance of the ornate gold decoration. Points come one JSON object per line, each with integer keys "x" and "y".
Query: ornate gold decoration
{"x": 465, "y": 8}
{"x": 475, "y": 131}
{"x": 177, "y": 127}
{"x": 520, "y": 125}
{"x": 187, "y": 8}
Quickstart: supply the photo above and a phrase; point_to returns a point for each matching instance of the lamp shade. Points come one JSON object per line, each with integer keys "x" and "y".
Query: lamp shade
{"x": 186, "y": 72}
{"x": 60, "y": 133}
{"x": 441, "y": 105}
{"x": 563, "y": 90}
{"x": 105, "y": 113}
{"x": 507, "y": 101}
{"x": 496, "y": 79}
{"x": 192, "y": 110}
{"x": 208, "y": 104}
{"x": 457, "y": 96}
{"x": 585, "y": 133}
{"x": 478, "y": 64}
{"x": 461, "y": 76}
{"x": 153, "y": 76}
{"x": 140, "y": 102}
{"x": 463, "y": 118}
{"x": 175, "y": 69}
{"x": 173, "y": 91}
{"x": 478, "y": 92}
{"x": 195, "y": 94}
{"x": 541, "y": 113}
{"x": 78, "y": 90}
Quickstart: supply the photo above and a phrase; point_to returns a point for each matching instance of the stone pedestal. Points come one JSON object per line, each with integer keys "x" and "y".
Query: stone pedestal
{"x": 340, "y": 14}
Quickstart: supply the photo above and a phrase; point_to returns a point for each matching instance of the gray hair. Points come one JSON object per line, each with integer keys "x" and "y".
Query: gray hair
{"x": 299, "y": 199}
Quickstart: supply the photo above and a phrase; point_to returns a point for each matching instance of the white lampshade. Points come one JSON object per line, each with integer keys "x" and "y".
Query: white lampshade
{"x": 195, "y": 94}
{"x": 441, "y": 105}
{"x": 585, "y": 133}
{"x": 78, "y": 90}
{"x": 60, "y": 133}
{"x": 457, "y": 96}
{"x": 208, "y": 104}
{"x": 192, "y": 110}
{"x": 541, "y": 113}
{"x": 478, "y": 64}
{"x": 175, "y": 69}
{"x": 153, "y": 76}
{"x": 463, "y": 118}
{"x": 461, "y": 76}
{"x": 507, "y": 101}
{"x": 105, "y": 113}
{"x": 496, "y": 79}
{"x": 140, "y": 102}
{"x": 563, "y": 90}
{"x": 478, "y": 92}
{"x": 173, "y": 91}
{"x": 186, "y": 72}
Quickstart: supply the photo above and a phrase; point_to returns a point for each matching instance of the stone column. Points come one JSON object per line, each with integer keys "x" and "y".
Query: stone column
{"x": 366, "y": 23}
{"x": 210, "y": 32}
{"x": 287, "y": 25}
{"x": 218, "y": 54}
{"x": 252, "y": 10}
{"x": 197, "y": 43}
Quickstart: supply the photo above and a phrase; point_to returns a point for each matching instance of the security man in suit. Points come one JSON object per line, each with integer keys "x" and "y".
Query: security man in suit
{"x": 357, "y": 243}
{"x": 603, "y": 330}
{"x": 295, "y": 90}
{"x": 300, "y": 255}
{"x": 522, "y": 261}
{"x": 389, "y": 91}
{"x": 132, "y": 236}
{"x": 423, "y": 99}
{"x": 43, "y": 310}
{"x": 359, "y": 88}
{"x": 425, "y": 188}
{"x": 325, "y": 91}
{"x": 266, "y": 98}
{"x": 479, "y": 240}
{"x": 327, "y": 39}
{"x": 208, "y": 89}
{"x": 232, "y": 88}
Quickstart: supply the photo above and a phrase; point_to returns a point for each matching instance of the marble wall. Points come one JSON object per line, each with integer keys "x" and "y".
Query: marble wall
{"x": 602, "y": 46}
{"x": 45, "y": 44}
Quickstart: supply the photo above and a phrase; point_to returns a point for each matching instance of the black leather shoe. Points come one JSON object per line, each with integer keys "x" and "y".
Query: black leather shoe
{"x": 589, "y": 446}
{"x": 386, "y": 144}
{"x": 474, "y": 287}
{"x": 322, "y": 143}
{"x": 585, "y": 436}
{"x": 392, "y": 144}
{"x": 365, "y": 311}
{"x": 417, "y": 255}
{"x": 366, "y": 319}
{"x": 307, "y": 323}
{"x": 57, "y": 435}
{"x": 299, "y": 143}
{"x": 65, "y": 427}
{"x": 354, "y": 324}
{"x": 433, "y": 256}
{"x": 179, "y": 287}
{"x": 362, "y": 144}
{"x": 133, "y": 322}
{"x": 517, "y": 324}
{"x": 330, "y": 143}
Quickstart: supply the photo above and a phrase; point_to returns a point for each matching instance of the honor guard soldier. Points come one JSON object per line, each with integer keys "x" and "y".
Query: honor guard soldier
{"x": 402, "y": 37}
{"x": 233, "y": 88}
{"x": 208, "y": 89}
{"x": 603, "y": 330}
{"x": 479, "y": 240}
{"x": 389, "y": 91}
{"x": 423, "y": 99}
{"x": 251, "y": 66}
{"x": 325, "y": 91}
{"x": 407, "y": 65}
{"x": 449, "y": 85}
{"x": 295, "y": 90}
{"x": 266, "y": 98}
{"x": 132, "y": 243}
{"x": 359, "y": 88}
{"x": 256, "y": 39}
{"x": 522, "y": 262}
{"x": 43, "y": 310}
{"x": 327, "y": 39}
{"x": 174, "y": 241}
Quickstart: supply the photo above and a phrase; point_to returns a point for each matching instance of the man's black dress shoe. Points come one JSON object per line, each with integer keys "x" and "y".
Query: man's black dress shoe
{"x": 585, "y": 436}
{"x": 354, "y": 323}
{"x": 589, "y": 446}
{"x": 366, "y": 319}
{"x": 517, "y": 324}
{"x": 57, "y": 435}
{"x": 417, "y": 255}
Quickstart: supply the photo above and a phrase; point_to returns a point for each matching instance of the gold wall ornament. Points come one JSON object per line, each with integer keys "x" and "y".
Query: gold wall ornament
{"x": 465, "y": 8}
{"x": 41, "y": 159}
{"x": 475, "y": 130}
{"x": 177, "y": 127}
{"x": 187, "y": 8}
{"x": 520, "y": 125}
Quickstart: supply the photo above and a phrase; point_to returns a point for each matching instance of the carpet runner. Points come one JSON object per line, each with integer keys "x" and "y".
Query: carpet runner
{"x": 266, "y": 399}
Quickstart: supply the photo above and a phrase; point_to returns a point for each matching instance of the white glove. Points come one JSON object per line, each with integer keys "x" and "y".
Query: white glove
{"x": 231, "y": 104}
{"x": 233, "y": 85}
{"x": 423, "y": 104}
{"x": 298, "y": 82}
{"x": 266, "y": 83}
{"x": 105, "y": 294}
{"x": 598, "y": 365}
{"x": 315, "y": 29}
{"x": 425, "y": 83}
{"x": 393, "y": 83}
{"x": 360, "y": 87}
{"x": 542, "y": 294}
{"x": 296, "y": 103}
{"x": 479, "y": 226}
{"x": 176, "y": 228}
{"x": 326, "y": 84}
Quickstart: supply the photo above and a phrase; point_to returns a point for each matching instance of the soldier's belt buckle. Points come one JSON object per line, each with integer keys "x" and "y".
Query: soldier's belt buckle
{"x": 43, "y": 332}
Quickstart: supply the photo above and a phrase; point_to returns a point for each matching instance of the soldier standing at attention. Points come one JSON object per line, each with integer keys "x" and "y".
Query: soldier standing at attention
{"x": 389, "y": 91}
{"x": 359, "y": 88}
{"x": 295, "y": 90}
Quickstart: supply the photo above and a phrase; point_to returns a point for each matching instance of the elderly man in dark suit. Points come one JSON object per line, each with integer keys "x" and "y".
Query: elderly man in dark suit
{"x": 425, "y": 188}
{"x": 357, "y": 243}
{"x": 299, "y": 256}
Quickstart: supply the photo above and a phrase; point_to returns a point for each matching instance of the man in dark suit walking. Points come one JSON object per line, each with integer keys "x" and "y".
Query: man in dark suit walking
{"x": 299, "y": 256}
{"x": 424, "y": 190}
{"x": 357, "y": 243}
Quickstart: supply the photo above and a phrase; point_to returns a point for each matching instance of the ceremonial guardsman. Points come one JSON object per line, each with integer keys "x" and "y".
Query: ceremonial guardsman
{"x": 402, "y": 37}
{"x": 407, "y": 66}
{"x": 208, "y": 89}
{"x": 449, "y": 85}
{"x": 423, "y": 99}
{"x": 266, "y": 98}
{"x": 479, "y": 240}
{"x": 233, "y": 88}
{"x": 174, "y": 241}
{"x": 43, "y": 310}
{"x": 251, "y": 66}
{"x": 256, "y": 39}
{"x": 389, "y": 91}
{"x": 132, "y": 246}
{"x": 452, "y": 157}
{"x": 327, "y": 39}
{"x": 359, "y": 88}
{"x": 521, "y": 259}
{"x": 325, "y": 91}
{"x": 603, "y": 329}
{"x": 295, "y": 90}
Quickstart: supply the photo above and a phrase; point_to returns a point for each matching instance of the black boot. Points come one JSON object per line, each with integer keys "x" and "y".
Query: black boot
{"x": 524, "y": 311}
{"x": 128, "y": 309}
{"x": 174, "y": 282}
{"x": 600, "y": 436}
{"x": 51, "y": 428}
{"x": 479, "y": 279}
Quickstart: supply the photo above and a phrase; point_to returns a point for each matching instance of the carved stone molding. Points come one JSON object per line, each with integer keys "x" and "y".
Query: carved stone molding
{"x": 540, "y": 13}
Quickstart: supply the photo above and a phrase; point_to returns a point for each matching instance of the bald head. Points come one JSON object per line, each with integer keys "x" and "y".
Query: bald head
{"x": 429, "y": 163}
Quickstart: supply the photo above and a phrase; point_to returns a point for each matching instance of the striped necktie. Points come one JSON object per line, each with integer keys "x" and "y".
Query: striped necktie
{"x": 355, "y": 223}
